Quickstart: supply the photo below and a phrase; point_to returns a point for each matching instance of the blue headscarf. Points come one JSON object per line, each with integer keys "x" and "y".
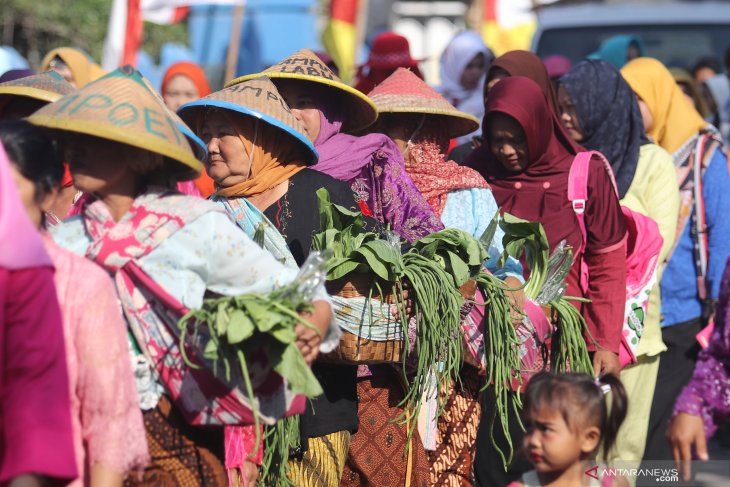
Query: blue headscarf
{"x": 609, "y": 116}
{"x": 615, "y": 50}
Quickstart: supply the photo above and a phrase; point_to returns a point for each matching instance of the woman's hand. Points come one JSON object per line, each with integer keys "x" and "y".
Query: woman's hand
{"x": 308, "y": 339}
{"x": 605, "y": 362}
{"x": 405, "y": 298}
{"x": 687, "y": 431}
{"x": 516, "y": 295}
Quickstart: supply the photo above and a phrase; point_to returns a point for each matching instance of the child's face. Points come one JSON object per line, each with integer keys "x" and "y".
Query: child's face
{"x": 552, "y": 446}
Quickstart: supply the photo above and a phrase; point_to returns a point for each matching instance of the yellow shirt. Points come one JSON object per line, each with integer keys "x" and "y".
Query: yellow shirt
{"x": 654, "y": 193}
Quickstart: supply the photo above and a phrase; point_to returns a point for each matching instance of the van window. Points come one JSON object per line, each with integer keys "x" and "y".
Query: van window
{"x": 675, "y": 45}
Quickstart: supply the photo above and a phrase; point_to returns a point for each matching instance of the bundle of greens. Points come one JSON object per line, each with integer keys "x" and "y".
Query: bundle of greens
{"x": 545, "y": 285}
{"x": 438, "y": 349}
{"x": 236, "y": 326}
{"x": 568, "y": 351}
{"x": 460, "y": 254}
{"x": 502, "y": 355}
{"x": 449, "y": 256}
{"x": 231, "y": 329}
{"x": 521, "y": 236}
{"x": 280, "y": 440}
{"x": 354, "y": 250}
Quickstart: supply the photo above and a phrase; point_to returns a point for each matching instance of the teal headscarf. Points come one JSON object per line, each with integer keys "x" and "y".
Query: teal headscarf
{"x": 615, "y": 50}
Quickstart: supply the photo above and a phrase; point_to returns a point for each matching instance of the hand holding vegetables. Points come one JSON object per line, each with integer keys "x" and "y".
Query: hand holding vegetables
{"x": 516, "y": 295}
{"x": 309, "y": 338}
{"x": 606, "y": 362}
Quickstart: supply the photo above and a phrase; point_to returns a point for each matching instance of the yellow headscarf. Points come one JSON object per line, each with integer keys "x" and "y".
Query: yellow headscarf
{"x": 274, "y": 159}
{"x": 675, "y": 120}
{"x": 84, "y": 69}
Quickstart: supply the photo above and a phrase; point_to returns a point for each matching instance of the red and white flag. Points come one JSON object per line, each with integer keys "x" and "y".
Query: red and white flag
{"x": 126, "y": 23}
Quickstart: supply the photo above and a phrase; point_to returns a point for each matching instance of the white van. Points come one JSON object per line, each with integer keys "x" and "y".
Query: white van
{"x": 678, "y": 33}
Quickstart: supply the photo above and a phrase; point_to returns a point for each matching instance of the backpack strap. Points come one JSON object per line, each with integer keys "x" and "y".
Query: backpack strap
{"x": 578, "y": 189}
{"x": 578, "y": 195}
{"x": 698, "y": 226}
{"x": 578, "y": 184}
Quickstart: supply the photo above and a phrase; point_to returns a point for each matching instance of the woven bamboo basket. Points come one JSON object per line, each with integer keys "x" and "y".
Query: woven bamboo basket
{"x": 354, "y": 349}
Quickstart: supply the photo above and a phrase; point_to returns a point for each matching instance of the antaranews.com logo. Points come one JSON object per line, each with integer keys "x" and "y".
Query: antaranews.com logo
{"x": 713, "y": 473}
{"x": 658, "y": 474}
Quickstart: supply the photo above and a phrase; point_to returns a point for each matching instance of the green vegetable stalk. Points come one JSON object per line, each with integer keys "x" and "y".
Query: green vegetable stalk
{"x": 521, "y": 235}
{"x": 234, "y": 327}
{"x": 568, "y": 350}
{"x": 280, "y": 440}
{"x": 502, "y": 354}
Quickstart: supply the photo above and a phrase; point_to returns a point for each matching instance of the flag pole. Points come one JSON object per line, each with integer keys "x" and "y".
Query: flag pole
{"x": 234, "y": 44}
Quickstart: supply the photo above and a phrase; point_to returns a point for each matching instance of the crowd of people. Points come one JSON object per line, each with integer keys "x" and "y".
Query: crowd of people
{"x": 124, "y": 209}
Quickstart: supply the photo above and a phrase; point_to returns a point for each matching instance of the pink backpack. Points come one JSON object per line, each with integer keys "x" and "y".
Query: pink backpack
{"x": 643, "y": 244}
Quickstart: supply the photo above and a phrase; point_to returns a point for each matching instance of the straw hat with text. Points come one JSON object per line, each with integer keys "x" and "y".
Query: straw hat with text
{"x": 121, "y": 107}
{"x": 404, "y": 92}
{"x": 305, "y": 66}
{"x": 257, "y": 98}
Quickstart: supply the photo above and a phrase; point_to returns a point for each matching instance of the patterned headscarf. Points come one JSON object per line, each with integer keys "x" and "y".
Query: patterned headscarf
{"x": 609, "y": 116}
{"x": 434, "y": 176}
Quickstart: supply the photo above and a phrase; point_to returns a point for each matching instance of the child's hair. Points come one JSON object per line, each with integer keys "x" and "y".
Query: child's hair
{"x": 580, "y": 400}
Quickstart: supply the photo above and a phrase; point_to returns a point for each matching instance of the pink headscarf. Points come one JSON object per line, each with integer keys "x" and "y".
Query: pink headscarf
{"x": 20, "y": 243}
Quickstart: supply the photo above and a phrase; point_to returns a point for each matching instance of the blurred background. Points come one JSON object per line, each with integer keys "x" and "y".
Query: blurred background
{"x": 235, "y": 37}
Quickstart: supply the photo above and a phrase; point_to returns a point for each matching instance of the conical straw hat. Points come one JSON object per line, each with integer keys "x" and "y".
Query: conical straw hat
{"x": 256, "y": 98}
{"x": 306, "y": 66}
{"x": 404, "y": 92}
{"x": 121, "y": 107}
{"x": 48, "y": 87}
{"x": 200, "y": 149}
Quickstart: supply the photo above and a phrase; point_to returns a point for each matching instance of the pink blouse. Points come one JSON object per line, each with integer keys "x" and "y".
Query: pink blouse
{"x": 106, "y": 418}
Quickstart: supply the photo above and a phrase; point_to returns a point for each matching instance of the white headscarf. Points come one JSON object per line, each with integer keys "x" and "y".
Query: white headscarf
{"x": 460, "y": 51}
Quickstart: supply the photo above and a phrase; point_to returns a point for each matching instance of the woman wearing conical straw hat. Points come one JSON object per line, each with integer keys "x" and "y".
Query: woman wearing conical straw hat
{"x": 21, "y": 97}
{"x": 259, "y": 157}
{"x": 109, "y": 435}
{"x": 166, "y": 251}
{"x": 422, "y": 122}
{"x": 374, "y": 168}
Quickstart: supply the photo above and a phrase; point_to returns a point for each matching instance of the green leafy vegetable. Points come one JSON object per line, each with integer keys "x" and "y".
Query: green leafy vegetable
{"x": 528, "y": 237}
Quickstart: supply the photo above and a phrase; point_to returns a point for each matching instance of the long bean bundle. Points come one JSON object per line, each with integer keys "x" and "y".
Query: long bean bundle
{"x": 502, "y": 355}
{"x": 438, "y": 346}
{"x": 568, "y": 351}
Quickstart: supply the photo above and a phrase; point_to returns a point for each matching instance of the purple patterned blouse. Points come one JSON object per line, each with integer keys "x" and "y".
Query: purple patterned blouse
{"x": 708, "y": 393}
{"x": 392, "y": 196}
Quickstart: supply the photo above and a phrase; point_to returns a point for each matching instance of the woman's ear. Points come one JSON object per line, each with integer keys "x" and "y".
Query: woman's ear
{"x": 590, "y": 438}
{"x": 48, "y": 200}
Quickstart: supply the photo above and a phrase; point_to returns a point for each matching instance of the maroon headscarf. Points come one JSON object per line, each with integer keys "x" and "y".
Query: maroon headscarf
{"x": 527, "y": 64}
{"x": 540, "y": 192}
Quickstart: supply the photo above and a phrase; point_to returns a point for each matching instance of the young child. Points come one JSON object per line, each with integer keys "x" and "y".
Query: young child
{"x": 567, "y": 420}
